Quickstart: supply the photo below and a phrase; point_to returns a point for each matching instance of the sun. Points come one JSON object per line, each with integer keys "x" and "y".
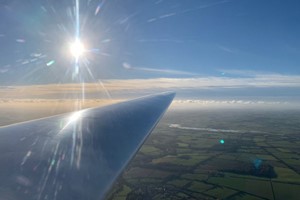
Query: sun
{"x": 77, "y": 49}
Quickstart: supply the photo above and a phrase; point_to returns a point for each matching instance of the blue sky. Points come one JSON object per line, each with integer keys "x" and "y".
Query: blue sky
{"x": 133, "y": 39}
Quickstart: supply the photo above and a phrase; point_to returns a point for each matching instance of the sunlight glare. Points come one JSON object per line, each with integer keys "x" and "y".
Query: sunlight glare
{"x": 77, "y": 49}
{"x": 75, "y": 116}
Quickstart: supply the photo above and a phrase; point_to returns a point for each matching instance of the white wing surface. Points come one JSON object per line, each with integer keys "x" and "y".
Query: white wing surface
{"x": 77, "y": 155}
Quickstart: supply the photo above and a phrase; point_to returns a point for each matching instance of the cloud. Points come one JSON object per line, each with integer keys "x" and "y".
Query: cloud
{"x": 178, "y": 126}
{"x": 167, "y": 40}
{"x": 167, "y": 15}
{"x": 2, "y": 71}
{"x": 206, "y": 6}
{"x": 227, "y": 49}
{"x": 203, "y": 6}
{"x": 272, "y": 88}
{"x": 246, "y": 73}
{"x": 202, "y": 103}
{"x": 210, "y": 82}
{"x": 163, "y": 71}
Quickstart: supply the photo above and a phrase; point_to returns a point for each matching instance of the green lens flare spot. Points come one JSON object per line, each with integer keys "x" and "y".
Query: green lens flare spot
{"x": 50, "y": 63}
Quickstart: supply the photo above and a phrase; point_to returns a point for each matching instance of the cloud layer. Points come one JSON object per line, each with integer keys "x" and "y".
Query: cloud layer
{"x": 178, "y": 126}
{"x": 221, "y": 90}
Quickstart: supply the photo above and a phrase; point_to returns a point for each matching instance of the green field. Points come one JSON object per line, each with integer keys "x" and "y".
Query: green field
{"x": 258, "y": 158}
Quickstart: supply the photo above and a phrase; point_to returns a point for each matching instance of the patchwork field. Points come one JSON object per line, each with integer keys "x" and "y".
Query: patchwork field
{"x": 217, "y": 154}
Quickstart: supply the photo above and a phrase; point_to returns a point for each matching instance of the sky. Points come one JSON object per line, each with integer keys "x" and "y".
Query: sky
{"x": 231, "y": 49}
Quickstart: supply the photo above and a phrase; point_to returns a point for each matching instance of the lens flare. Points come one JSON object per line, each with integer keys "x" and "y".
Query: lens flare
{"x": 77, "y": 49}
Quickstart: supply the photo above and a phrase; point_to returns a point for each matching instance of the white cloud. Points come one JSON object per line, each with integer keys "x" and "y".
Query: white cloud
{"x": 259, "y": 81}
{"x": 178, "y": 126}
{"x": 163, "y": 71}
{"x": 2, "y": 71}
{"x": 227, "y": 49}
{"x": 228, "y": 102}
{"x": 265, "y": 89}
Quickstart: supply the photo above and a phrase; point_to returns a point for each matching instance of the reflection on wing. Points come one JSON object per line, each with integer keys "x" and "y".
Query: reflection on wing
{"x": 78, "y": 155}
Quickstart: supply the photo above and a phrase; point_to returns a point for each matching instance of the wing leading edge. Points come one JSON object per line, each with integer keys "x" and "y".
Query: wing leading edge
{"x": 77, "y": 155}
